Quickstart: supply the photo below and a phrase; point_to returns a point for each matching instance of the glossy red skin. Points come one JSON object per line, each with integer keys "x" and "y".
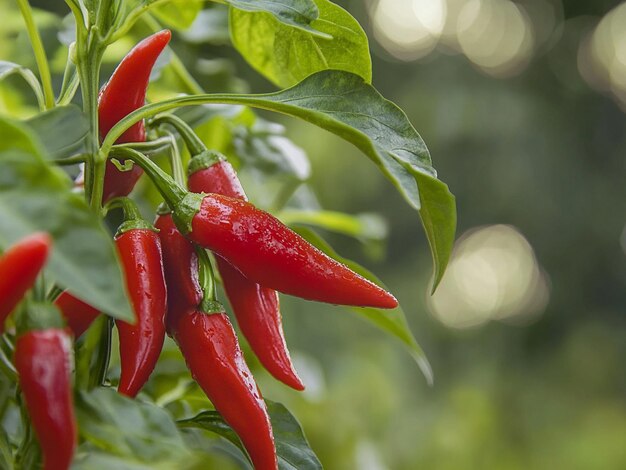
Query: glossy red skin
{"x": 269, "y": 253}
{"x": 78, "y": 314}
{"x": 211, "y": 350}
{"x": 180, "y": 263}
{"x": 19, "y": 267}
{"x": 141, "y": 343}
{"x": 122, "y": 94}
{"x": 257, "y": 308}
{"x": 43, "y": 363}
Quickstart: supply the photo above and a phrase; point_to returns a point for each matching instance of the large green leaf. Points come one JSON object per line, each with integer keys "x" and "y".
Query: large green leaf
{"x": 132, "y": 429}
{"x": 62, "y": 130}
{"x": 295, "y": 13}
{"x": 392, "y": 322}
{"x": 37, "y": 197}
{"x": 292, "y": 447}
{"x": 287, "y": 55}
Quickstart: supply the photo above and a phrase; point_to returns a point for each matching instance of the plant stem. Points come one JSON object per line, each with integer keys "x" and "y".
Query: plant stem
{"x": 178, "y": 172}
{"x": 104, "y": 7}
{"x": 40, "y": 52}
{"x": 89, "y": 58}
{"x": 130, "y": 209}
{"x": 192, "y": 141}
{"x": 172, "y": 192}
{"x": 73, "y": 160}
{"x": 152, "y": 146}
{"x": 179, "y": 102}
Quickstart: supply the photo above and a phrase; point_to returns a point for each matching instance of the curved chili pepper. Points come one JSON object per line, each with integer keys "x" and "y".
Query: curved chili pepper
{"x": 211, "y": 350}
{"x": 19, "y": 267}
{"x": 43, "y": 362}
{"x": 140, "y": 344}
{"x": 78, "y": 314}
{"x": 180, "y": 263}
{"x": 122, "y": 94}
{"x": 257, "y": 308}
{"x": 268, "y": 252}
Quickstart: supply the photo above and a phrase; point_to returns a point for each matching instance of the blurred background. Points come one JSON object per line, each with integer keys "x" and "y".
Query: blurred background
{"x": 521, "y": 104}
{"x": 522, "y": 107}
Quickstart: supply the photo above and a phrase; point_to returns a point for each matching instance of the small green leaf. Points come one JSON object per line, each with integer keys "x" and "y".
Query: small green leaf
{"x": 296, "y": 13}
{"x": 9, "y": 68}
{"x": 132, "y": 429}
{"x": 62, "y": 130}
{"x": 292, "y": 447}
{"x": 286, "y": 55}
{"x": 392, "y": 322}
{"x": 37, "y": 197}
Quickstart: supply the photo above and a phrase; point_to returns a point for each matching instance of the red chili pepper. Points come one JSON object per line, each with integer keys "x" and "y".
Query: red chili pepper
{"x": 78, "y": 314}
{"x": 256, "y": 307}
{"x": 43, "y": 362}
{"x": 19, "y": 267}
{"x": 140, "y": 344}
{"x": 268, "y": 252}
{"x": 180, "y": 263}
{"x": 122, "y": 94}
{"x": 211, "y": 350}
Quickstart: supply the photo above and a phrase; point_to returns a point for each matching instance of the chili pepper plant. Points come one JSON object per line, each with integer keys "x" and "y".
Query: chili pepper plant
{"x": 153, "y": 215}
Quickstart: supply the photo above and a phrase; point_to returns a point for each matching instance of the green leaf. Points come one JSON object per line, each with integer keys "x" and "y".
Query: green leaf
{"x": 438, "y": 214}
{"x": 296, "y": 13}
{"x": 178, "y": 14}
{"x": 9, "y": 68}
{"x": 292, "y": 447}
{"x": 62, "y": 130}
{"x": 286, "y": 55}
{"x": 37, "y": 197}
{"x": 392, "y": 322}
{"x": 138, "y": 431}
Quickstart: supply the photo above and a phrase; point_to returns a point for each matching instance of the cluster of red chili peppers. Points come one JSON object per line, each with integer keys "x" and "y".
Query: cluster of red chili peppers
{"x": 171, "y": 285}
